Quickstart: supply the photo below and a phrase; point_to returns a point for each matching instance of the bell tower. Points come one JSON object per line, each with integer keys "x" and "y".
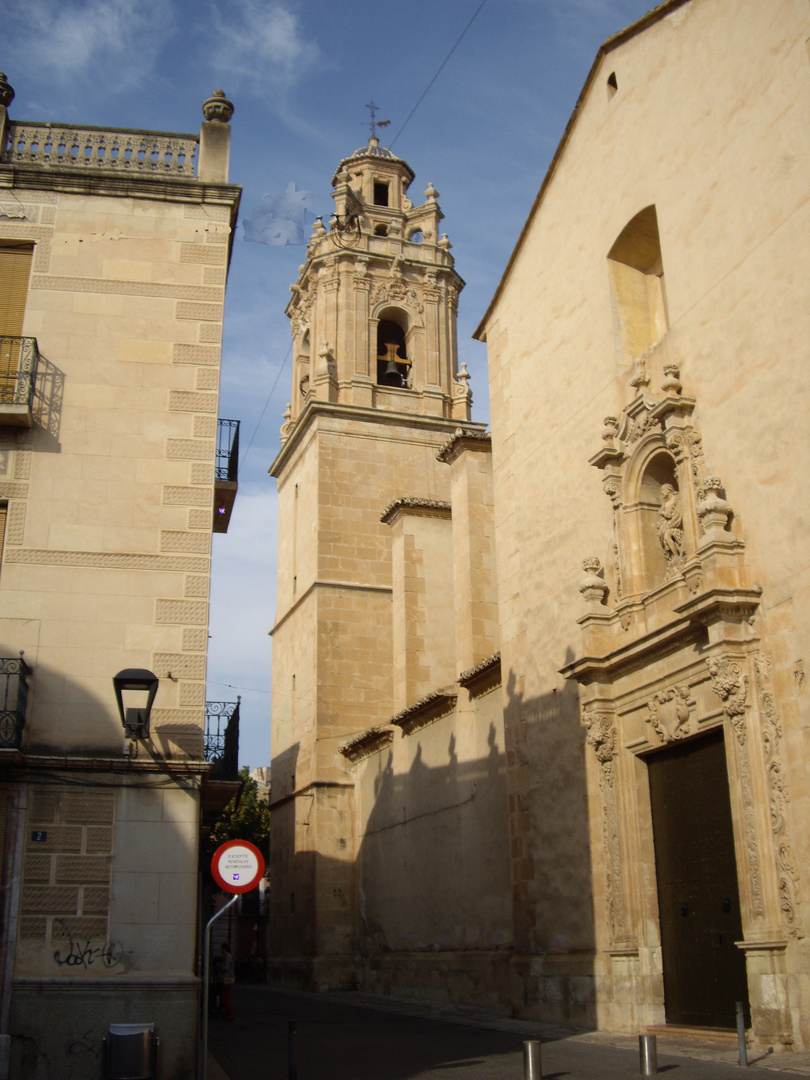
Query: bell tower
{"x": 376, "y": 394}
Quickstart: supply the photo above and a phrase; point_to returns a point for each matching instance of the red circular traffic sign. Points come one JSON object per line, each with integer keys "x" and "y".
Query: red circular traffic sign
{"x": 237, "y": 866}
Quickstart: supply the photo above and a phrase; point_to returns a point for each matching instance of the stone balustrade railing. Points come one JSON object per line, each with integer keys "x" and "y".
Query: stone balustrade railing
{"x": 88, "y": 149}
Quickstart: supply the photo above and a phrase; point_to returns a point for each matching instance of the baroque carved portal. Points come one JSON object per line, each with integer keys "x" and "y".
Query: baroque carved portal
{"x": 671, "y": 652}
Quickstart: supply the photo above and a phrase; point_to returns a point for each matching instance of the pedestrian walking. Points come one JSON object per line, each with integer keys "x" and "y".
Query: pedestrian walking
{"x": 227, "y": 977}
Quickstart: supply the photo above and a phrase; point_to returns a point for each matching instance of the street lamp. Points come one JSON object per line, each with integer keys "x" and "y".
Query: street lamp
{"x": 135, "y": 719}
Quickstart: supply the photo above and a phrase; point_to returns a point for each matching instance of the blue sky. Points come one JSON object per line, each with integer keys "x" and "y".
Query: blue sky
{"x": 300, "y": 75}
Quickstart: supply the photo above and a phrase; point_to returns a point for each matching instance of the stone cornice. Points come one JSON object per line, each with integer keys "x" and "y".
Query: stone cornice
{"x": 428, "y": 709}
{"x": 165, "y": 189}
{"x": 322, "y": 584}
{"x": 389, "y": 418}
{"x": 83, "y": 763}
{"x": 482, "y": 678}
{"x": 687, "y": 625}
{"x": 367, "y": 743}
{"x": 460, "y": 440}
{"x": 415, "y": 508}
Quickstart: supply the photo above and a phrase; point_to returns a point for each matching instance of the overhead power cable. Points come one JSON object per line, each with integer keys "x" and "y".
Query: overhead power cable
{"x": 281, "y": 367}
{"x": 438, "y": 73}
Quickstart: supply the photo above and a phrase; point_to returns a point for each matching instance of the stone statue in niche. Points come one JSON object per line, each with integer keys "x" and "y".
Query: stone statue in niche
{"x": 670, "y": 527}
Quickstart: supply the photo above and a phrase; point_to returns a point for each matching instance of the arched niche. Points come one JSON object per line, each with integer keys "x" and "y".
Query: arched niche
{"x": 636, "y": 276}
{"x": 659, "y": 496}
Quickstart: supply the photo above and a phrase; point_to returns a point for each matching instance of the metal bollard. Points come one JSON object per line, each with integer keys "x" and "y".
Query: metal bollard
{"x": 292, "y": 1061}
{"x": 647, "y": 1055}
{"x": 532, "y": 1069}
{"x": 738, "y": 1005}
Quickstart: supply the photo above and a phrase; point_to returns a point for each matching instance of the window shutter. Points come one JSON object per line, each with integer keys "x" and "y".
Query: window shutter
{"x": 15, "y": 270}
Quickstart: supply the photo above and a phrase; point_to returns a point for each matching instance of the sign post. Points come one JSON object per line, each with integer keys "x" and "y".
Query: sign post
{"x": 237, "y": 867}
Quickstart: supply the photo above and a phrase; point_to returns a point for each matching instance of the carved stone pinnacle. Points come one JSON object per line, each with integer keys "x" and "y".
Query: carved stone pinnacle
{"x": 217, "y": 107}
{"x": 6, "y": 91}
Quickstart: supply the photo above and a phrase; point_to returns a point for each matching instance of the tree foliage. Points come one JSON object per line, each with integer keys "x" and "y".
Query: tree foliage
{"x": 246, "y": 817}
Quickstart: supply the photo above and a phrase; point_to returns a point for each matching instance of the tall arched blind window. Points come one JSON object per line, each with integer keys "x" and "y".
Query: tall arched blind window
{"x": 636, "y": 272}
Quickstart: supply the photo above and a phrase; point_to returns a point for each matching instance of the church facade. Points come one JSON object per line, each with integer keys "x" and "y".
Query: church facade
{"x": 650, "y": 448}
{"x": 540, "y": 710}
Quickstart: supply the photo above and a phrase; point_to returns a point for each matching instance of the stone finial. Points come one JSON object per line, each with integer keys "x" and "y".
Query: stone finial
{"x": 6, "y": 91}
{"x": 430, "y": 192}
{"x": 593, "y": 588}
{"x": 217, "y": 107}
{"x": 317, "y": 227}
{"x": 639, "y": 378}
{"x": 287, "y": 418}
{"x": 672, "y": 382}
{"x": 325, "y": 360}
{"x": 611, "y": 428}
{"x": 712, "y": 509}
{"x": 444, "y": 243}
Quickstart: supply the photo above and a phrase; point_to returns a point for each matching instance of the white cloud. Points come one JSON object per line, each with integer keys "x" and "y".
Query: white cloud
{"x": 111, "y": 43}
{"x": 260, "y": 45}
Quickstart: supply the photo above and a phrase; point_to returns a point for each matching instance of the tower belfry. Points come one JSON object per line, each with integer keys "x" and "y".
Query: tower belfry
{"x": 376, "y": 393}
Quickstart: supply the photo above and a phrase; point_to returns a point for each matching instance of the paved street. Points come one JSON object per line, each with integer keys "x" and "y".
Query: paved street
{"x": 357, "y": 1037}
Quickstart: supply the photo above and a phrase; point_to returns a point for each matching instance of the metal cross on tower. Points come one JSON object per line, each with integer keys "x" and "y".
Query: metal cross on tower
{"x": 374, "y": 123}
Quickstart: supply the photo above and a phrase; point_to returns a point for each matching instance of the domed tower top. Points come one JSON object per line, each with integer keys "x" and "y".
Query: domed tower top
{"x": 373, "y": 312}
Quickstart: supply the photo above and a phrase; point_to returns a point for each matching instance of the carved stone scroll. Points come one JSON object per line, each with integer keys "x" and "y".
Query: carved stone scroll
{"x": 779, "y": 795}
{"x": 601, "y": 737}
{"x": 731, "y": 686}
{"x": 669, "y": 712}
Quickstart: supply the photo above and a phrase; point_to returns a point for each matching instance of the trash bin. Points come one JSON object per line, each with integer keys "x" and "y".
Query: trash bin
{"x": 131, "y": 1052}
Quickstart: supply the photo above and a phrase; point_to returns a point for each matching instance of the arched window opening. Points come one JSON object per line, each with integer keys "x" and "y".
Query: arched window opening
{"x": 381, "y": 230}
{"x": 661, "y": 521}
{"x": 393, "y": 365}
{"x": 612, "y": 85}
{"x": 303, "y": 361}
{"x": 417, "y": 237}
{"x": 638, "y": 300}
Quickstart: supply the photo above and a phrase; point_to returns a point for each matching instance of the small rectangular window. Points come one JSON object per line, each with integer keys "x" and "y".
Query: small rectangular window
{"x": 380, "y": 194}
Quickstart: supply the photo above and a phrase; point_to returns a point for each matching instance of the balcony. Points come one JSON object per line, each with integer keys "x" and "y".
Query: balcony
{"x": 14, "y": 674}
{"x": 221, "y": 748}
{"x": 19, "y": 359}
{"x": 226, "y": 473}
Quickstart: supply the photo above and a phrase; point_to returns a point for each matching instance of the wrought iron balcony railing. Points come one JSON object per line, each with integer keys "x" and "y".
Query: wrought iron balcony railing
{"x": 227, "y": 467}
{"x": 89, "y": 149}
{"x": 19, "y": 359}
{"x": 221, "y": 742}
{"x": 226, "y": 473}
{"x": 14, "y": 674}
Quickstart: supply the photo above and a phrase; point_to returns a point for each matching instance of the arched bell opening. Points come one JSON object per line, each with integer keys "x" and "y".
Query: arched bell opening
{"x": 393, "y": 362}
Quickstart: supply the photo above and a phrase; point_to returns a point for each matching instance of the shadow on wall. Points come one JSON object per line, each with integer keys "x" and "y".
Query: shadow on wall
{"x": 472, "y": 882}
{"x": 101, "y": 865}
{"x": 47, "y": 407}
{"x": 552, "y": 867}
